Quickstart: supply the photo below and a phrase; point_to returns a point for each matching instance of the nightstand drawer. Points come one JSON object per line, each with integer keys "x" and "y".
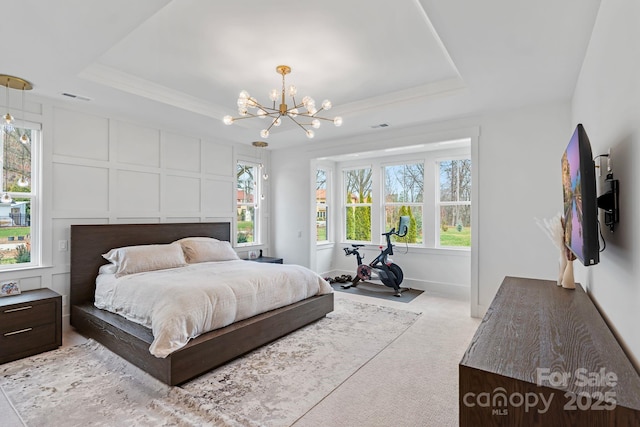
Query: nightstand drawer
{"x": 27, "y": 341}
{"x": 27, "y": 315}
{"x": 30, "y": 323}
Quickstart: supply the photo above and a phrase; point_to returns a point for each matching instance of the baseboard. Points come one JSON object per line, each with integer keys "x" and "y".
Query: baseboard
{"x": 66, "y": 322}
{"x": 447, "y": 290}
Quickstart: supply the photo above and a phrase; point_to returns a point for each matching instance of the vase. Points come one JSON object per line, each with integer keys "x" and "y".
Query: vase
{"x": 568, "y": 282}
{"x": 563, "y": 266}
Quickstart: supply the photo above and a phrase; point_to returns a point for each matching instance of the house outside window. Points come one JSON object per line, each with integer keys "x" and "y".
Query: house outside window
{"x": 322, "y": 208}
{"x": 403, "y": 196}
{"x": 454, "y": 203}
{"x": 18, "y": 210}
{"x": 357, "y": 205}
{"x": 248, "y": 203}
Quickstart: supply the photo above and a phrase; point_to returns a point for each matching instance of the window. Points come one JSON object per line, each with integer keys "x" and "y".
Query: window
{"x": 322, "y": 208}
{"x": 248, "y": 203}
{"x": 431, "y": 187}
{"x": 403, "y": 195}
{"x": 357, "y": 185}
{"x": 19, "y": 197}
{"x": 454, "y": 202}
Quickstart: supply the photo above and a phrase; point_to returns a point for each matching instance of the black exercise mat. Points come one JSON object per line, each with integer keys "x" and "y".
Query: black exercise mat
{"x": 378, "y": 291}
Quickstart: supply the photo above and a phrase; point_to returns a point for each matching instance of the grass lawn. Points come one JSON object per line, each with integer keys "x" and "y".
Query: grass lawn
{"x": 14, "y": 231}
{"x": 245, "y": 231}
{"x": 321, "y": 233}
{"x": 453, "y": 237}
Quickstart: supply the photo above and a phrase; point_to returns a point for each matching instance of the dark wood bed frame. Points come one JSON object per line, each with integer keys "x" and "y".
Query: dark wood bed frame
{"x": 131, "y": 341}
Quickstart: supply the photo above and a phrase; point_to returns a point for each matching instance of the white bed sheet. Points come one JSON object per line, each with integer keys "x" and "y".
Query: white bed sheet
{"x": 181, "y": 303}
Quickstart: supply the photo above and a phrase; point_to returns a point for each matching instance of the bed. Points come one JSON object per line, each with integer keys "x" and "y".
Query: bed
{"x": 132, "y": 341}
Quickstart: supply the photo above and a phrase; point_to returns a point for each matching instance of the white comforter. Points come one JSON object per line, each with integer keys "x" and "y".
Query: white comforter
{"x": 181, "y": 303}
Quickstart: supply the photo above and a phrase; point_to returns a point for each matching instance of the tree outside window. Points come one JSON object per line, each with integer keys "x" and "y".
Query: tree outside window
{"x": 454, "y": 207}
{"x": 248, "y": 203}
{"x": 403, "y": 196}
{"x": 358, "y": 204}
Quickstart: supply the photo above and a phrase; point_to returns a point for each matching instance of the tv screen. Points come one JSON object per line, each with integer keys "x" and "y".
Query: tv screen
{"x": 581, "y": 234}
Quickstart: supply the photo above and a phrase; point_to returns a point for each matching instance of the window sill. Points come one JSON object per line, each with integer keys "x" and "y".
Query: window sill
{"x": 249, "y": 245}
{"x": 325, "y": 243}
{"x": 29, "y": 268}
{"x": 400, "y": 249}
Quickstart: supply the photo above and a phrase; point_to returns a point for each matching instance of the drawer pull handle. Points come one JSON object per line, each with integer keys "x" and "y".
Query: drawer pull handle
{"x": 18, "y": 309}
{"x": 18, "y": 332}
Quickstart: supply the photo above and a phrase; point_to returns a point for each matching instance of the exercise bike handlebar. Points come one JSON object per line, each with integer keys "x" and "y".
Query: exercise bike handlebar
{"x": 393, "y": 231}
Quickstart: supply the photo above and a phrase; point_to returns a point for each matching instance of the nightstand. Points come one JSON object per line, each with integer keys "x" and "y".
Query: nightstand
{"x": 30, "y": 323}
{"x": 267, "y": 259}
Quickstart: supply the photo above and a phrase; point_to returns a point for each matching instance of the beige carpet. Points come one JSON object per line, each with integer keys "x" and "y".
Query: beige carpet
{"x": 273, "y": 386}
{"x": 10, "y": 417}
{"x": 413, "y": 382}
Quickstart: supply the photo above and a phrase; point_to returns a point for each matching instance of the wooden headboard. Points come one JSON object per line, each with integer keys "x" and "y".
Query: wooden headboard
{"x": 89, "y": 242}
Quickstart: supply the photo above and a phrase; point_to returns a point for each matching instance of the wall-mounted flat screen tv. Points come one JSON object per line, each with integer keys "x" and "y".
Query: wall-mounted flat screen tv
{"x": 581, "y": 233}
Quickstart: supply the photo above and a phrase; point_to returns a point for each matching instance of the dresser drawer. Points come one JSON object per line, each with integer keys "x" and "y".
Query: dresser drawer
{"x": 27, "y": 341}
{"x": 27, "y": 315}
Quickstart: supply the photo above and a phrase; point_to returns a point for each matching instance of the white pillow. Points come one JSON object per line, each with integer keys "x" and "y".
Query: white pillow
{"x": 108, "y": 269}
{"x": 205, "y": 249}
{"x": 137, "y": 259}
{"x": 196, "y": 239}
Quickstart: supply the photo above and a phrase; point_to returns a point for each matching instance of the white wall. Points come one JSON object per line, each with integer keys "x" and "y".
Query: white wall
{"x": 102, "y": 169}
{"x": 520, "y": 180}
{"x": 607, "y": 103}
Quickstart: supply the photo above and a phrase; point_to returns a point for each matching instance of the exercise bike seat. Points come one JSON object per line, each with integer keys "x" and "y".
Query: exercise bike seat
{"x": 357, "y": 246}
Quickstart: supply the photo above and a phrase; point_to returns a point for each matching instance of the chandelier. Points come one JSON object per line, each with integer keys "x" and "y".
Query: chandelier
{"x": 249, "y": 107}
{"x": 11, "y": 82}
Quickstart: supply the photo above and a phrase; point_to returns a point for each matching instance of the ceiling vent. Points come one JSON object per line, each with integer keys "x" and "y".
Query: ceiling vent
{"x": 80, "y": 97}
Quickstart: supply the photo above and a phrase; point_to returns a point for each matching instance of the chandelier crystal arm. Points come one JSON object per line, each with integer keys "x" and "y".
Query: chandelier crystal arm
{"x": 298, "y": 123}
{"x": 310, "y": 134}
{"x": 273, "y": 123}
{"x": 320, "y": 118}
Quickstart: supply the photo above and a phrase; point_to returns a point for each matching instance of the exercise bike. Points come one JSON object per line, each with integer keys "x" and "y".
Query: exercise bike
{"x": 381, "y": 267}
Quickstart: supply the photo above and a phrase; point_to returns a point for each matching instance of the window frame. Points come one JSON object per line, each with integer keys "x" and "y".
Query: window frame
{"x": 430, "y": 213}
{"x": 257, "y": 204}
{"x": 439, "y": 204}
{"x": 346, "y": 205}
{"x": 35, "y": 200}
{"x": 326, "y": 205}
{"x": 421, "y": 205}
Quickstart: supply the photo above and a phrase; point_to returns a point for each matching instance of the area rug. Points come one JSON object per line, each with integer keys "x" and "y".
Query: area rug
{"x": 378, "y": 291}
{"x": 272, "y": 386}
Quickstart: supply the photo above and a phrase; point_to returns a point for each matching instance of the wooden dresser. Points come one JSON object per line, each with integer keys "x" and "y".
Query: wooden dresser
{"x": 544, "y": 356}
{"x": 30, "y": 323}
